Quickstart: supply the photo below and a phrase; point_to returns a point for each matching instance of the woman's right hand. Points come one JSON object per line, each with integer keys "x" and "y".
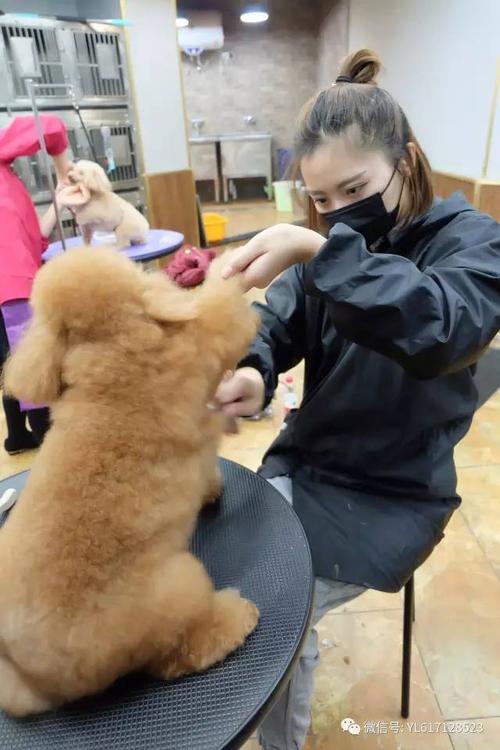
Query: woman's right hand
{"x": 270, "y": 252}
{"x": 242, "y": 394}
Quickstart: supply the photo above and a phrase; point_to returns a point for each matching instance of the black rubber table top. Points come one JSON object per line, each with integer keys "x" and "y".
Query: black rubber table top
{"x": 253, "y": 541}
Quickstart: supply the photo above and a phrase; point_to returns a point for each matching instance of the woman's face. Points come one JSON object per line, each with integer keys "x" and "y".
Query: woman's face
{"x": 338, "y": 173}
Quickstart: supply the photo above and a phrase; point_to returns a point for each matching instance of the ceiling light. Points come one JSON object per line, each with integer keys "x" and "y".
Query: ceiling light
{"x": 254, "y": 12}
{"x": 181, "y": 22}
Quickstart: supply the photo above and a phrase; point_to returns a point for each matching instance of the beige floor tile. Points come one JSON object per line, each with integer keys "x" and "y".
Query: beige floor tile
{"x": 13, "y": 464}
{"x": 482, "y": 444}
{"x": 359, "y": 676}
{"x": 479, "y": 481}
{"x": 251, "y": 745}
{"x": 372, "y": 601}
{"x": 251, "y": 216}
{"x": 480, "y": 490}
{"x": 487, "y": 739}
{"x": 458, "y": 625}
{"x": 483, "y": 517}
{"x": 389, "y": 741}
{"x": 254, "y": 745}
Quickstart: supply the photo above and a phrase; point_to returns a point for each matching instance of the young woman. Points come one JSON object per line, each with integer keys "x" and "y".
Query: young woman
{"x": 22, "y": 241}
{"x": 390, "y": 314}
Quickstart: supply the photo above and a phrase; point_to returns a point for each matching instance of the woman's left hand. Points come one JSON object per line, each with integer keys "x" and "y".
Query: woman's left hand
{"x": 272, "y": 251}
{"x": 63, "y": 165}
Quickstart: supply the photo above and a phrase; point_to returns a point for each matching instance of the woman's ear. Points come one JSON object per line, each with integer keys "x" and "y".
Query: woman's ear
{"x": 33, "y": 371}
{"x": 411, "y": 150}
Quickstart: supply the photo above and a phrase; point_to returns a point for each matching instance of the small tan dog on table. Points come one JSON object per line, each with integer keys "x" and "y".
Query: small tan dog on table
{"x": 96, "y": 208}
{"x": 96, "y": 577}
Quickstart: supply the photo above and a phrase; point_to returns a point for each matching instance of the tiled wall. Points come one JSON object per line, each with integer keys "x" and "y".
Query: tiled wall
{"x": 268, "y": 71}
{"x": 271, "y": 85}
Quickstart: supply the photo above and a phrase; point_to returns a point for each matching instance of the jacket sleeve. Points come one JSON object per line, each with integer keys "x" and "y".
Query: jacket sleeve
{"x": 280, "y": 343}
{"x": 432, "y": 321}
{"x": 20, "y": 138}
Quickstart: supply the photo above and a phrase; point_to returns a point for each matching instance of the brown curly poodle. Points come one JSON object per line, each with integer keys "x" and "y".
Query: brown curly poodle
{"x": 96, "y": 579}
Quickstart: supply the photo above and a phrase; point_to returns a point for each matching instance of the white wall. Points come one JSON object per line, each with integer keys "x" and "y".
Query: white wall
{"x": 332, "y": 41}
{"x": 493, "y": 171}
{"x": 155, "y": 70}
{"x": 440, "y": 59}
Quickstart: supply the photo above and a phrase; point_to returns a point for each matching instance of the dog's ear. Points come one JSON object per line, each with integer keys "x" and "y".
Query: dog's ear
{"x": 169, "y": 308}
{"x": 95, "y": 179}
{"x": 166, "y": 302}
{"x": 74, "y": 196}
{"x": 33, "y": 371}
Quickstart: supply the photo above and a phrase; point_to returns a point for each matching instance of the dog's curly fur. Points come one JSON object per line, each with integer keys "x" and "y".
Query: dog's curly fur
{"x": 99, "y": 209}
{"x": 96, "y": 579}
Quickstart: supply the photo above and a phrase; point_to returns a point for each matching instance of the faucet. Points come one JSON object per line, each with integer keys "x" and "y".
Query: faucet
{"x": 197, "y": 125}
{"x": 250, "y": 120}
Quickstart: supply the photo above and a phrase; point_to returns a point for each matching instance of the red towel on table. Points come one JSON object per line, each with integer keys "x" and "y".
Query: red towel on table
{"x": 190, "y": 265}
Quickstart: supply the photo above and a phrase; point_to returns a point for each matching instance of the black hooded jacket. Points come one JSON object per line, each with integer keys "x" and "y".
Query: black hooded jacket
{"x": 390, "y": 340}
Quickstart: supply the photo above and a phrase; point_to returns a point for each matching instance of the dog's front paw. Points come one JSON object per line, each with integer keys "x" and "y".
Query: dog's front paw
{"x": 243, "y": 611}
{"x": 252, "y": 615}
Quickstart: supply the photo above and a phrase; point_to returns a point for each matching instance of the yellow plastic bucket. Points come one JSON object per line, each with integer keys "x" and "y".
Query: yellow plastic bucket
{"x": 215, "y": 226}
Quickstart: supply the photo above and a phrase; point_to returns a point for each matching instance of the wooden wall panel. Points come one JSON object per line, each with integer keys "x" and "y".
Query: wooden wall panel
{"x": 483, "y": 194}
{"x": 489, "y": 199}
{"x": 171, "y": 201}
{"x": 446, "y": 184}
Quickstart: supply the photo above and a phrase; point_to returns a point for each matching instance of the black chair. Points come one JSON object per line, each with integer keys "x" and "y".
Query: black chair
{"x": 408, "y": 620}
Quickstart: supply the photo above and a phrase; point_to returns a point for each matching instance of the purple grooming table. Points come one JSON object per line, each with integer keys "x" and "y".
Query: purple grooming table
{"x": 160, "y": 242}
{"x": 16, "y": 316}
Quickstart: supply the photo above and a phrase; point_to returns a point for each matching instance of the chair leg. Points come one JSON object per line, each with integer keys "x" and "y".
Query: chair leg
{"x": 408, "y": 616}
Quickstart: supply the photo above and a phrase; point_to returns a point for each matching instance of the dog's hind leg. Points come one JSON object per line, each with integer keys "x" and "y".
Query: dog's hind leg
{"x": 210, "y": 639}
{"x": 17, "y": 696}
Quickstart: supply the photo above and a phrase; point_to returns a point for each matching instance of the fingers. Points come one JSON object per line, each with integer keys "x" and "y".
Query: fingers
{"x": 242, "y": 395}
{"x": 239, "y": 409}
{"x": 231, "y": 412}
{"x": 228, "y": 391}
{"x": 241, "y": 258}
{"x": 263, "y": 271}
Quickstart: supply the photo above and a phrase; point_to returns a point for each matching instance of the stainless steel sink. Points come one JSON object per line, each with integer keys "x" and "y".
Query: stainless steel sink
{"x": 233, "y": 156}
{"x": 239, "y": 136}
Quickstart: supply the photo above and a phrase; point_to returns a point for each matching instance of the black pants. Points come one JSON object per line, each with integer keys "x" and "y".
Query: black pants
{"x": 39, "y": 419}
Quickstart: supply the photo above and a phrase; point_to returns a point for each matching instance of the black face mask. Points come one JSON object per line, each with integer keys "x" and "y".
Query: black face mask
{"x": 369, "y": 216}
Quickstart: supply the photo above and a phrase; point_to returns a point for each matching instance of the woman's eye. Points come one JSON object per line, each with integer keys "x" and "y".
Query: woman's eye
{"x": 354, "y": 190}
{"x": 321, "y": 201}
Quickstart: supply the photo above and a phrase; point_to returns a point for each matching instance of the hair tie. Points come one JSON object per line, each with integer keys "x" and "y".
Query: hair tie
{"x": 343, "y": 79}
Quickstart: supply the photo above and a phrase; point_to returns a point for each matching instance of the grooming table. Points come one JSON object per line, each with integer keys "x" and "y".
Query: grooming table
{"x": 161, "y": 242}
{"x": 251, "y": 540}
